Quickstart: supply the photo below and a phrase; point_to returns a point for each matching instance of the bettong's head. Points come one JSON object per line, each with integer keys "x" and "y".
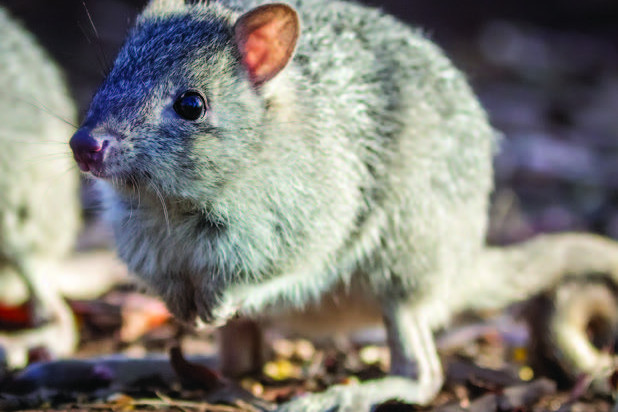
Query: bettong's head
{"x": 181, "y": 109}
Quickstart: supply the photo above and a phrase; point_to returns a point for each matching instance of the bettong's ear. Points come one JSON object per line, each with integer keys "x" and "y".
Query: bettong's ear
{"x": 266, "y": 37}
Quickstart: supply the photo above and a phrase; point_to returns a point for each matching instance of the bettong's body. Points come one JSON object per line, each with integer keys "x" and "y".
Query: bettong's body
{"x": 262, "y": 159}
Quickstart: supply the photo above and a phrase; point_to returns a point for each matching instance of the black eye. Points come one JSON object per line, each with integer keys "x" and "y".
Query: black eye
{"x": 190, "y": 105}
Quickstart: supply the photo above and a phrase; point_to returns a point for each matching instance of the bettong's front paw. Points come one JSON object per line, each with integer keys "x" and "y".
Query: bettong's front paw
{"x": 335, "y": 399}
{"x": 228, "y": 305}
{"x": 217, "y": 311}
{"x": 223, "y": 313}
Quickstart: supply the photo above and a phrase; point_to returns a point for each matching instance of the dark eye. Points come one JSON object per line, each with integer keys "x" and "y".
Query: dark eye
{"x": 190, "y": 105}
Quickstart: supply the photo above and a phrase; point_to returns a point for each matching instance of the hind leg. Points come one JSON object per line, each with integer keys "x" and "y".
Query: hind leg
{"x": 241, "y": 348}
{"x": 411, "y": 343}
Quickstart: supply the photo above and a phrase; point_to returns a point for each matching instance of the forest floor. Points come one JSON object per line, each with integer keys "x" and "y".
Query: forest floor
{"x": 159, "y": 365}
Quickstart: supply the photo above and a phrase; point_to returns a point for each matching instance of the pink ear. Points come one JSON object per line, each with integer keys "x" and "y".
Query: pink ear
{"x": 266, "y": 37}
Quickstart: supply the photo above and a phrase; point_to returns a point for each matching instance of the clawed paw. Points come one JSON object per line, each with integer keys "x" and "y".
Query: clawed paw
{"x": 223, "y": 313}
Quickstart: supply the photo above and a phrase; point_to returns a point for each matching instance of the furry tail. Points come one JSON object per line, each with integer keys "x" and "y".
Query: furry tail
{"x": 513, "y": 273}
{"x": 544, "y": 263}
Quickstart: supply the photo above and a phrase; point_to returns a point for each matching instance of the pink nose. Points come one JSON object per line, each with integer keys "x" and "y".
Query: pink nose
{"x": 87, "y": 150}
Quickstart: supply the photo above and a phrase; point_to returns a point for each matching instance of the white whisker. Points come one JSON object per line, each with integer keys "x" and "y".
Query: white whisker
{"x": 165, "y": 214}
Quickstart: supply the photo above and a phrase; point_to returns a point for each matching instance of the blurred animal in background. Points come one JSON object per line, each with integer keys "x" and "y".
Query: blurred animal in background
{"x": 40, "y": 210}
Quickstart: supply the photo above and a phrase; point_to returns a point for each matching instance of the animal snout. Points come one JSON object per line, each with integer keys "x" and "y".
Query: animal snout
{"x": 88, "y": 150}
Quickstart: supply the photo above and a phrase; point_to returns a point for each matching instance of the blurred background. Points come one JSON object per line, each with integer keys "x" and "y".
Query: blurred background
{"x": 546, "y": 71}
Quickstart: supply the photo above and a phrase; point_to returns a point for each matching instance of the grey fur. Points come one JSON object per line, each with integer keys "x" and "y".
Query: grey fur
{"x": 364, "y": 165}
{"x": 306, "y": 181}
